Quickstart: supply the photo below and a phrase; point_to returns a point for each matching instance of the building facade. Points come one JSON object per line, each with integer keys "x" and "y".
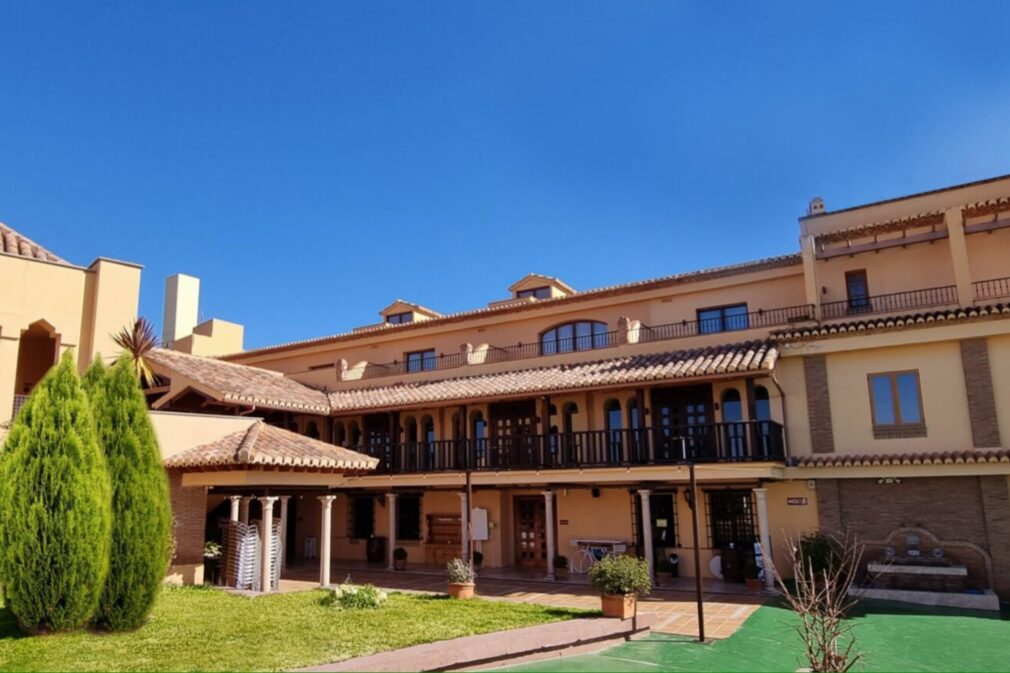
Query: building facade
{"x": 861, "y": 384}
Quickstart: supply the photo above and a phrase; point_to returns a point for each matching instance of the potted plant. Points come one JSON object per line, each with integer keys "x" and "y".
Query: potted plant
{"x": 561, "y": 567}
{"x": 752, "y": 575}
{"x": 620, "y": 581}
{"x": 211, "y": 562}
{"x": 461, "y": 579}
{"x": 400, "y": 558}
{"x": 478, "y": 559}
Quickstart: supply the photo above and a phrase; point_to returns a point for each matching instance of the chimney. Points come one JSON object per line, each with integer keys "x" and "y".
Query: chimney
{"x": 816, "y": 206}
{"x": 182, "y": 307}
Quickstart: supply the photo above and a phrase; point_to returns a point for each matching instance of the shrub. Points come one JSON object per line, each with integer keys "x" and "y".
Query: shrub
{"x": 141, "y": 512}
{"x": 560, "y": 561}
{"x": 211, "y": 549}
{"x": 819, "y": 552}
{"x": 400, "y": 554}
{"x": 55, "y": 498}
{"x": 354, "y": 597}
{"x": 94, "y": 376}
{"x": 621, "y": 575}
{"x": 460, "y": 572}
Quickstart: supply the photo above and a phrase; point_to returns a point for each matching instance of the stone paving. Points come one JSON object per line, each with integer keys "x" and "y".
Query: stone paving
{"x": 676, "y": 610}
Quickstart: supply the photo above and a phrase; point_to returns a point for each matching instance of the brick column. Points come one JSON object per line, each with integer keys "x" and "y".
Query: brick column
{"x": 549, "y": 531}
{"x": 815, "y": 373}
{"x": 764, "y": 535}
{"x": 643, "y": 494}
{"x": 189, "y": 510}
{"x": 266, "y": 565}
{"x": 391, "y": 506}
{"x": 325, "y": 535}
{"x": 981, "y": 400}
{"x": 996, "y": 505}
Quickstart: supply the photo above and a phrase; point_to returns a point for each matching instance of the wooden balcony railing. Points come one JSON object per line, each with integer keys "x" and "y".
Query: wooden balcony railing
{"x": 750, "y": 441}
{"x": 992, "y": 288}
{"x": 945, "y": 295}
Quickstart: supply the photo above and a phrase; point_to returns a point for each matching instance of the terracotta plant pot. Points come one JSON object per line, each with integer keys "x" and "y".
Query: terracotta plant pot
{"x": 621, "y": 606}
{"x": 461, "y": 590}
{"x": 399, "y": 564}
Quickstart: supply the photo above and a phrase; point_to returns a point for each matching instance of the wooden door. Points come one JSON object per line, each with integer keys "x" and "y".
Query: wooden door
{"x": 684, "y": 411}
{"x": 531, "y": 532}
{"x": 512, "y": 430}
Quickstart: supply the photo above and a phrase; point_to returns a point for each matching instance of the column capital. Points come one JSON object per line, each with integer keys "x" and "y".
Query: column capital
{"x": 391, "y": 496}
{"x": 284, "y": 498}
{"x": 236, "y": 498}
{"x": 760, "y": 491}
{"x": 268, "y": 499}
{"x": 247, "y": 498}
{"x": 461, "y": 494}
{"x": 547, "y": 494}
{"x": 644, "y": 492}
{"x": 326, "y": 499}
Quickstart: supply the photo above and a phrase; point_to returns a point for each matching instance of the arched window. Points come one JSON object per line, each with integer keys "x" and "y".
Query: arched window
{"x": 427, "y": 429}
{"x": 409, "y": 430}
{"x": 615, "y": 428}
{"x": 582, "y": 335}
{"x": 354, "y": 434}
{"x": 734, "y": 431}
{"x": 339, "y": 433}
{"x": 312, "y": 430}
{"x": 634, "y": 422}
{"x": 568, "y": 417}
{"x": 478, "y": 433}
{"x": 762, "y": 404}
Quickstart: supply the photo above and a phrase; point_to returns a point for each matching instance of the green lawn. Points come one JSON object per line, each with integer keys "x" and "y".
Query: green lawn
{"x": 893, "y": 638}
{"x": 208, "y": 630}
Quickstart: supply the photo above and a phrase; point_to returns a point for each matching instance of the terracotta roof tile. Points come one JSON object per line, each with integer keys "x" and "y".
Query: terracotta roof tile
{"x": 14, "y": 243}
{"x": 744, "y": 357}
{"x": 890, "y": 323}
{"x": 904, "y": 459}
{"x": 767, "y": 263}
{"x": 262, "y": 445}
{"x": 241, "y": 383}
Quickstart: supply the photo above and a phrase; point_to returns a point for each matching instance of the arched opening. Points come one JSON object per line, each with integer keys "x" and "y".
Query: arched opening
{"x": 339, "y": 433}
{"x": 428, "y": 440}
{"x": 615, "y": 431}
{"x": 408, "y": 450}
{"x": 38, "y": 350}
{"x": 763, "y": 417}
{"x": 569, "y": 441}
{"x": 734, "y": 430}
{"x": 353, "y": 434}
{"x": 478, "y": 433}
{"x": 312, "y": 430}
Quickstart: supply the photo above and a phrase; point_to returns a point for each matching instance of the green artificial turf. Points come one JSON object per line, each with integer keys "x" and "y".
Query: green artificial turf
{"x": 892, "y": 637}
{"x": 197, "y": 629}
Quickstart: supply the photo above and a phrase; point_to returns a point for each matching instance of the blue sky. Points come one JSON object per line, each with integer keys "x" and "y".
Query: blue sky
{"x": 313, "y": 161}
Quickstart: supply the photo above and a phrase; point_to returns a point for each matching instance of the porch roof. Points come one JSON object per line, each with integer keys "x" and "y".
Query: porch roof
{"x": 265, "y": 446}
{"x": 750, "y": 356}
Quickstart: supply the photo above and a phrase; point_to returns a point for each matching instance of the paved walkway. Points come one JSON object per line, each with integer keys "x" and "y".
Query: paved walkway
{"x": 676, "y": 610}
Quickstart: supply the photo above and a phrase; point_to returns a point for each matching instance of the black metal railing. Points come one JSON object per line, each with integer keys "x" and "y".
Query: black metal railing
{"x": 992, "y": 288}
{"x": 886, "y": 303}
{"x": 425, "y": 363}
{"x": 748, "y": 441}
{"x": 729, "y": 323}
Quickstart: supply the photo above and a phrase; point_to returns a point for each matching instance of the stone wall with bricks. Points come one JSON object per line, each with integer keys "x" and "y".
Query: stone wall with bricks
{"x": 815, "y": 375}
{"x": 956, "y": 509}
{"x": 981, "y": 401}
{"x": 189, "y": 516}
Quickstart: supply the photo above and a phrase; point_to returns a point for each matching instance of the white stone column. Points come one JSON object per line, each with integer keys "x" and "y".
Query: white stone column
{"x": 284, "y": 529}
{"x": 549, "y": 531}
{"x": 266, "y": 564}
{"x": 764, "y": 536}
{"x": 244, "y": 512}
{"x": 325, "y": 533}
{"x": 464, "y": 523}
{"x": 236, "y": 501}
{"x": 646, "y": 523}
{"x": 391, "y": 506}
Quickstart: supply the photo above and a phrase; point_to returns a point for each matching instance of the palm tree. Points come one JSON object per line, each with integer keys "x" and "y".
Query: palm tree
{"x": 137, "y": 341}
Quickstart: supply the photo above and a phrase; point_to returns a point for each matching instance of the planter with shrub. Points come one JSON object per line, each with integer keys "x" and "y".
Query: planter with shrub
{"x": 561, "y": 567}
{"x": 400, "y": 558}
{"x": 620, "y": 581}
{"x": 461, "y": 579}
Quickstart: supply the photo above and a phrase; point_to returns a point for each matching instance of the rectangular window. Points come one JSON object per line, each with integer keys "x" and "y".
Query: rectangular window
{"x": 538, "y": 292}
{"x": 895, "y": 400}
{"x": 723, "y": 319}
{"x": 857, "y": 290}
{"x": 408, "y": 517}
{"x": 420, "y": 360}
{"x": 399, "y": 318}
{"x": 362, "y": 517}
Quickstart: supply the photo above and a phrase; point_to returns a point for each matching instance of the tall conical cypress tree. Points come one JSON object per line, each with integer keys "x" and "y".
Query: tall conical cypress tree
{"x": 55, "y": 503}
{"x": 94, "y": 376}
{"x": 141, "y": 511}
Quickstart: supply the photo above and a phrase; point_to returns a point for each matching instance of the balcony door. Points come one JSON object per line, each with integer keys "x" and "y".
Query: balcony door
{"x": 531, "y": 531}
{"x": 512, "y": 432}
{"x": 684, "y": 411}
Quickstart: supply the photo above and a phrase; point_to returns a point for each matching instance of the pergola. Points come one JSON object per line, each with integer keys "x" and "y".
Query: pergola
{"x": 273, "y": 462}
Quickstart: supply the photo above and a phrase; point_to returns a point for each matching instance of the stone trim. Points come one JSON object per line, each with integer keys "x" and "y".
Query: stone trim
{"x": 815, "y": 374}
{"x": 981, "y": 401}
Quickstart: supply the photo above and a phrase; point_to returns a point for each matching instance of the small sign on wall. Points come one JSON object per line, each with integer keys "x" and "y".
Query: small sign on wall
{"x": 563, "y": 522}
{"x": 796, "y": 501}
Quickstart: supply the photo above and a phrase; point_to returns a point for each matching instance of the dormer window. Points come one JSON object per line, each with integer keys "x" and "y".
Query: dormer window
{"x": 400, "y": 318}
{"x": 538, "y": 292}
{"x": 582, "y": 335}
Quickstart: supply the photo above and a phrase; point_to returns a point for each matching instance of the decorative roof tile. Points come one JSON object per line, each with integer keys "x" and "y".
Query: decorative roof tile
{"x": 242, "y": 384}
{"x": 973, "y": 457}
{"x": 752, "y": 356}
{"x": 262, "y": 445}
{"x": 891, "y": 323}
{"x": 14, "y": 243}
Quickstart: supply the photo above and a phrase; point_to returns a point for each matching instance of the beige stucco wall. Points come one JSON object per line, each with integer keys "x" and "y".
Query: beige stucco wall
{"x": 989, "y": 254}
{"x": 179, "y": 431}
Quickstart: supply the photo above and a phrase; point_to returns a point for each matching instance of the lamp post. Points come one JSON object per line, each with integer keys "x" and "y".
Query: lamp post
{"x": 693, "y": 491}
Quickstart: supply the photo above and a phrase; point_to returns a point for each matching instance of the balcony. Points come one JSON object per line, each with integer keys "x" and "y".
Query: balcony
{"x": 750, "y": 441}
{"x": 994, "y": 288}
{"x": 754, "y": 319}
{"x": 945, "y": 295}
